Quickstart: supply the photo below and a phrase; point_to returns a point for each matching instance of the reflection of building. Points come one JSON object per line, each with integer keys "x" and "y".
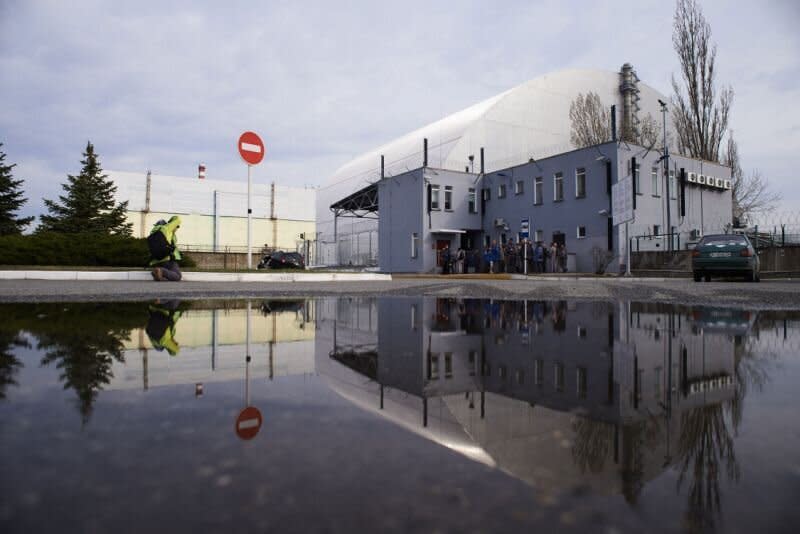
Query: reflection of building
{"x": 213, "y": 347}
{"x": 556, "y": 393}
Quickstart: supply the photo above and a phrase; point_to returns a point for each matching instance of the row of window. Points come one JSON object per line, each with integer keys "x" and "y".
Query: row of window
{"x": 581, "y": 375}
{"x": 538, "y": 187}
{"x": 437, "y": 203}
{"x": 656, "y": 183}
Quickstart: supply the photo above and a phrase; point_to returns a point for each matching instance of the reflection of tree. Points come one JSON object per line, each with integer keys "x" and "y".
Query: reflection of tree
{"x": 85, "y": 342}
{"x": 9, "y": 364}
{"x": 82, "y": 340}
{"x": 705, "y": 446}
{"x": 593, "y": 443}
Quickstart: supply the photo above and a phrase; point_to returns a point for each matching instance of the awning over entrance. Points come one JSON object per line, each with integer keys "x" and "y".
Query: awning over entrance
{"x": 362, "y": 204}
{"x": 448, "y": 231}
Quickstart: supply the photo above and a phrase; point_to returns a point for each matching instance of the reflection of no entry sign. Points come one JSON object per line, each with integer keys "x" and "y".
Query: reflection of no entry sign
{"x": 251, "y": 148}
{"x": 248, "y": 423}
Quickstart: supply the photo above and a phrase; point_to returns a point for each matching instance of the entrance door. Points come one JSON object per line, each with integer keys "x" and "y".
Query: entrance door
{"x": 441, "y": 244}
{"x": 559, "y": 238}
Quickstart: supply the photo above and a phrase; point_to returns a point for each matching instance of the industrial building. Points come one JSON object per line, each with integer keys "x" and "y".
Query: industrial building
{"x": 505, "y": 168}
{"x": 214, "y": 212}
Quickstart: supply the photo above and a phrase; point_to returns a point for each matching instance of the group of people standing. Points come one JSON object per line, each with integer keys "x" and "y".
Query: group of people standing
{"x": 509, "y": 258}
{"x": 540, "y": 257}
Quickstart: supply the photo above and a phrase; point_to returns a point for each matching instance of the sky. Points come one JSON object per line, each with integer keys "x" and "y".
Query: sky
{"x": 165, "y": 85}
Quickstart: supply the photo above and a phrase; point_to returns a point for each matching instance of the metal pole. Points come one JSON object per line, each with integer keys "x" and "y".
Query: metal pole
{"x": 627, "y": 252}
{"x": 249, "y": 225}
{"x": 247, "y": 359}
{"x": 666, "y": 173}
{"x": 525, "y": 256}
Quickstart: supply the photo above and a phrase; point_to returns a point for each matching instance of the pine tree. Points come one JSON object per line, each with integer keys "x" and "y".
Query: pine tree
{"x": 88, "y": 205}
{"x": 11, "y": 200}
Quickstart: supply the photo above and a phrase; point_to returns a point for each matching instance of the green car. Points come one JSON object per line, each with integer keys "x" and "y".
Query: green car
{"x": 725, "y": 255}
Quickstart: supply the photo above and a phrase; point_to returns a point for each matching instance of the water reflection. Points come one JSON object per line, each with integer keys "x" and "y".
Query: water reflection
{"x": 562, "y": 395}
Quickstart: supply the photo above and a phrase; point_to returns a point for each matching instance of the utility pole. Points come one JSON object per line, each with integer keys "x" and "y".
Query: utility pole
{"x": 665, "y": 157}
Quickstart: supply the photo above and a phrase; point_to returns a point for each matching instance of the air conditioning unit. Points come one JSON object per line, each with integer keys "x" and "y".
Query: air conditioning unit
{"x": 694, "y": 235}
{"x": 727, "y": 184}
{"x": 500, "y": 222}
{"x": 701, "y": 179}
{"x": 720, "y": 183}
{"x": 692, "y": 178}
{"x": 710, "y": 181}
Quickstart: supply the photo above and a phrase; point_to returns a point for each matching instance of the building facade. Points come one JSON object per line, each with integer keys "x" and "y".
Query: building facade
{"x": 214, "y": 212}
{"x": 565, "y": 198}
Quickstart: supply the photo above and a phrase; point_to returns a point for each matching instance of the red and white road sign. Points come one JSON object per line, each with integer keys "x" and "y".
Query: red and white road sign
{"x": 248, "y": 423}
{"x": 251, "y": 148}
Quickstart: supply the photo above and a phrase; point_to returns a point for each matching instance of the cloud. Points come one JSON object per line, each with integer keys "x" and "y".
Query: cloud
{"x": 166, "y": 85}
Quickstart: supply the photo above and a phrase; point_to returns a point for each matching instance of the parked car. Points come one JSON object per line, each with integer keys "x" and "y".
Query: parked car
{"x": 282, "y": 260}
{"x": 725, "y": 255}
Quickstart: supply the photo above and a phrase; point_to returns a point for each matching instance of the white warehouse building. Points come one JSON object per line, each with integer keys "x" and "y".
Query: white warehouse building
{"x": 214, "y": 212}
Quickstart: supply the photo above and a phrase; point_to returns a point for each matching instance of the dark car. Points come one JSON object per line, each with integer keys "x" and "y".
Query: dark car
{"x": 725, "y": 255}
{"x": 282, "y": 260}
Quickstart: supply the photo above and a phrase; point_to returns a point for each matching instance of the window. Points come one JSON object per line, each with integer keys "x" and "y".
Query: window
{"x": 637, "y": 183}
{"x": 538, "y": 192}
{"x": 559, "y": 376}
{"x": 487, "y": 194}
{"x": 581, "y": 382}
{"x": 473, "y": 362}
{"x": 654, "y": 177}
{"x": 656, "y": 229}
{"x": 501, "y": 191}
{"x": 519, "y": 187}
{"x": 580, "y": 183}
{"x": 473, "y": 207}
{"x": 581, "y": 331}
{"x": 538, "y": 372}
{"x": 435, "y": 197}
{"x": 520, "y": 376}
{"x": 581, "y": 232}
{"x": 558, "y": 187}
{"x": 414, "y": 245}
{"x": 448, "y": 198}
{"x": 448, "y": 365}
{"x": 433, "y": 366}
{"x": 538, "y": 235}
{"x": 673, "y": 188}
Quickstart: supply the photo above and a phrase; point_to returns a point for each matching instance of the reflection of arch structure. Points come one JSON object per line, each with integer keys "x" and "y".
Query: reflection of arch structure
{"x": 504, "y": 380}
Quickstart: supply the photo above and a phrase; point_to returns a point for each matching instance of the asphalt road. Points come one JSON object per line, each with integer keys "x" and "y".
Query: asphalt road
{"x": 775, "y": 294}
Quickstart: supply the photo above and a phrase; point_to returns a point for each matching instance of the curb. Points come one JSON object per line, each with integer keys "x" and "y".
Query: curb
{"x": 141, "y": 276}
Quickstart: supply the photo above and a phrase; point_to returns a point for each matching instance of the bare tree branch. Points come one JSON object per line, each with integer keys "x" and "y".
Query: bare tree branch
{"x": 591, "y": 122}
{"x": 751, "y": 193}
{"x": 699, "y": 117}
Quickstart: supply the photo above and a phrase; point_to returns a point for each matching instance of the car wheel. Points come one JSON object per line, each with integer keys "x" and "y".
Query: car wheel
{"x": 708, "y": 278}
{"x": 697, "y": 276}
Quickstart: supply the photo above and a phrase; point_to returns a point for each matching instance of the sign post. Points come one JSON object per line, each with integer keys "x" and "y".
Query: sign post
{"x": 622, "y": 213}
{"x": 251, "y": 149}
{"x": 249, "y": 420}
{"x": 524, "y": 233}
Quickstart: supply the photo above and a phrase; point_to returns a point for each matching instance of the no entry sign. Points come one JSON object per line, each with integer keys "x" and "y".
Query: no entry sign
{"x": 248, "y": 423}
{"x": 251, "y": 148}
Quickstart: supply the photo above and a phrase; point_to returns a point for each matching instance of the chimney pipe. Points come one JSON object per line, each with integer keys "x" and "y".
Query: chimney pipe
{"x": 201, "y": 171}
{"x": 614, "y": 122}
{"x": 382, "y": 168}
{"x": 425, "y": 152}
{"x": 482, "y": 167}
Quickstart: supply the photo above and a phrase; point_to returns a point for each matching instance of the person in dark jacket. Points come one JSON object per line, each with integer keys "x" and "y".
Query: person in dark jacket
{"x": 164, "y": 253}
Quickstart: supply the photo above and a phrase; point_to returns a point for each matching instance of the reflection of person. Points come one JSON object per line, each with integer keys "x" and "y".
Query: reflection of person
{"x": 164, "y": 253}
{"x": 161, "y": 326}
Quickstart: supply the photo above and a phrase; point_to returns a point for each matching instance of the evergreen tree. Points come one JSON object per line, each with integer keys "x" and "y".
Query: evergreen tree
{"x": 88, "y": 205}
{"x": 11, "y": 200}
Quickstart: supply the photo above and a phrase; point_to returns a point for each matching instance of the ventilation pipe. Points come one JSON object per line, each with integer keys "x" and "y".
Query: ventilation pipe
{"x": 425, "y": 152}
{"x": 482, "y": 160}
{"x": 614, "y": 122}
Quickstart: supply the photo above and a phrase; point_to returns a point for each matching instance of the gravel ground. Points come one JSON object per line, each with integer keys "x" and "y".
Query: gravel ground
{"x": 775, "y": 294}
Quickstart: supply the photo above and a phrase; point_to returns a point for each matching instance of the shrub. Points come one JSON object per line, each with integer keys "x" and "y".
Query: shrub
{"x": 76, "y": 250}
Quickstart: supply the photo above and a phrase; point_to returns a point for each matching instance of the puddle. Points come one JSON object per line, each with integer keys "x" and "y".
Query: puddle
{"x": 404, "y": 414}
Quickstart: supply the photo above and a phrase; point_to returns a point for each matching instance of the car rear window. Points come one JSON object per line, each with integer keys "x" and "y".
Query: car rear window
{"x": 730, "y": 240}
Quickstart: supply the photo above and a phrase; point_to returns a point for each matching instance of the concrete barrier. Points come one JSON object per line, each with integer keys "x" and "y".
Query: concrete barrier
{"x": 300, "y": 276}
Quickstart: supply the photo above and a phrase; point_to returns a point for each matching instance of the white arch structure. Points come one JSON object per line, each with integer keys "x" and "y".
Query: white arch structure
{"x": 527, "y": 121}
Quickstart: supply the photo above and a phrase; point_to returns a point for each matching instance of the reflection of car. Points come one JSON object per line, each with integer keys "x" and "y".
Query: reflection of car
{"x": 725, "y": 255}
{"x": 282, "y": 260}
{"x": 279, "y": 306}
